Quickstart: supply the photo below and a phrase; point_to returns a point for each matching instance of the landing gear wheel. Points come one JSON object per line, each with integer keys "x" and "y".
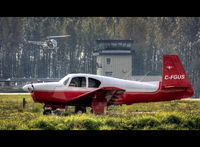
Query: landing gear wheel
{"x": 47, "y": 112}
{"x": 91, "y": 110}
{"x": 57, "y": 112}
{"x": 80, "y": 109}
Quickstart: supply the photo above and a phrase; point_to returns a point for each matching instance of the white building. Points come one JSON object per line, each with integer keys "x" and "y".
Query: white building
{"x": 115, "y": 59}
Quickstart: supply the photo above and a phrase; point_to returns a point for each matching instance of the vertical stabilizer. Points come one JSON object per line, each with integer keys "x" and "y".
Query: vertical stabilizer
{"x": 173, "y": 73}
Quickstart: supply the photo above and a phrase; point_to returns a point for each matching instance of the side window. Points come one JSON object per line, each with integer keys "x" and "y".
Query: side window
{"x": 78, "y": 82}
{"x": 93, "y": 83}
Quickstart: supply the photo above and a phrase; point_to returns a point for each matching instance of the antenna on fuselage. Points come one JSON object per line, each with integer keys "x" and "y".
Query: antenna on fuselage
{"x": 126, "y": 75}
{"x": 132, "y": 78}
{"x": 144, "y": 76}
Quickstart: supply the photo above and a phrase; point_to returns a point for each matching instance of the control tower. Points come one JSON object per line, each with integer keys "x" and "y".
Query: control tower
{"x": 114, "y": 58}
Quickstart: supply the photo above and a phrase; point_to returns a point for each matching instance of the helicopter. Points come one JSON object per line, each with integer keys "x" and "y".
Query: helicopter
{"x": 49, "y": 43}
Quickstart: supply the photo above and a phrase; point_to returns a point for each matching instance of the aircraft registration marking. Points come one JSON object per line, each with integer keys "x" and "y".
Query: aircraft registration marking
{"x": 174, "y": 77}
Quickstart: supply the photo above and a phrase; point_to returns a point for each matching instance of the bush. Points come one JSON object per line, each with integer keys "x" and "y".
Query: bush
{"x": 128, "y": 124}
{"x": 197, "y": 123}
{"x": 110, "y": 122}
{"x": 167, "y": 127}
{"x": 188, "y": 124}
{"x": 61, "y": 127}
{"x": 20, "y": 110}
{"x": 113, "y": 122}
{"x": 104, "y": 127}
{"x": 150, "y": 122}
{"x": 172, "y": 119}
{"x": 45, "y": 125}
{"x": 36, "y": 110}
{"x": 42, "y": 123}
{"x": 11, "y": 126}
{"x": 90, "y": 124}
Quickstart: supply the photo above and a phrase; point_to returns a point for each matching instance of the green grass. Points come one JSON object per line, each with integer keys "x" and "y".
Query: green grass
{"x": 172, "y": 115}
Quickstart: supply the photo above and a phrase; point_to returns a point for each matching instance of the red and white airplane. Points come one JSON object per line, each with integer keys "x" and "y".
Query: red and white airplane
{"x": 88, "y": 90}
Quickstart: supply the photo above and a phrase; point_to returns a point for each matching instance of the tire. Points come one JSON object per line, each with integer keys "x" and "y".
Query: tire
{"x": 57, "y": 112}
{"x": 91, "y": 111}
{"x": 80, "y": 109}
{"x": 47, "y": 112}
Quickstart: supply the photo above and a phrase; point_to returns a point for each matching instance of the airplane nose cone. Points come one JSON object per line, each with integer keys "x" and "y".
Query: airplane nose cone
{"x": 25, "y": 88}
{"x": 28, "y": 88}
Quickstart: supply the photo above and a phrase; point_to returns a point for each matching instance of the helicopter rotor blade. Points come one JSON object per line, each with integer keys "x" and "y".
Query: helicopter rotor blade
{"x": 36, "y": 42}
{"x": 61, "y": 36}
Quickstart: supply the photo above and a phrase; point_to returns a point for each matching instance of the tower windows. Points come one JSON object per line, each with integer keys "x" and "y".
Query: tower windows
{"x": 108, "y": 60}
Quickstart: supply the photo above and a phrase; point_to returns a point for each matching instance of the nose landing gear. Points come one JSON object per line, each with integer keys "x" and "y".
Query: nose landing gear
{"x": 53, "y": 110}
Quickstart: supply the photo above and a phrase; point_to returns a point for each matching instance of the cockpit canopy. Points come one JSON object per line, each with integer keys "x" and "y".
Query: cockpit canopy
{"x": 80, "y": 81}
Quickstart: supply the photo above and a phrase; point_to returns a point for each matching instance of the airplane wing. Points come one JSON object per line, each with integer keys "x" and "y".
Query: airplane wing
{"x": 98, "y": 98}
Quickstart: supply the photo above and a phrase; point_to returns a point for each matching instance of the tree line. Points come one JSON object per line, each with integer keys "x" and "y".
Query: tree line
{"x": 153, "y": 37}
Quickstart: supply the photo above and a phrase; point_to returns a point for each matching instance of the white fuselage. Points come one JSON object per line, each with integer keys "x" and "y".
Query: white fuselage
{"x": 128, "y": 85}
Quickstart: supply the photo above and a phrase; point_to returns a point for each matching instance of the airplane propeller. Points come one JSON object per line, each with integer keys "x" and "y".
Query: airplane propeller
{"x": 29, "y": 87}
{"x": 32, "y": 87}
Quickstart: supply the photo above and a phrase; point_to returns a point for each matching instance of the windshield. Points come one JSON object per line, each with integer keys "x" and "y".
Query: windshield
{"x": 65, "y": 78}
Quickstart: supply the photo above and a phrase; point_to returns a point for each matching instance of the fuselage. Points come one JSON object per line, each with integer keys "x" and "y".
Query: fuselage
{"x": 63, "y": 91}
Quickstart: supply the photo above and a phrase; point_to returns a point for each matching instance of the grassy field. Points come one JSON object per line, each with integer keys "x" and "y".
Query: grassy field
{"x": 172, "y": 115}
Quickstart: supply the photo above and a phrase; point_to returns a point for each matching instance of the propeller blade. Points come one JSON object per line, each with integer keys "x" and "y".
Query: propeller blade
{"x": 32, "y": 90}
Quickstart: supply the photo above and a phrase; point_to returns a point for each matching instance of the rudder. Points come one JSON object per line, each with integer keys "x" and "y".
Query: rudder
{"x": 173, "y": 73}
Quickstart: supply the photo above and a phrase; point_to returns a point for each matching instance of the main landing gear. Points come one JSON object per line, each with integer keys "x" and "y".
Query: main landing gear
{"x": 47, "y": 112}
{"x": 80, "y": 109}
{"x": 51, "y": 110}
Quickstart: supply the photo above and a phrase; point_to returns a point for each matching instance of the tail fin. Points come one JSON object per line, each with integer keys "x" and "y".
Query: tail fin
{"x": 173, "y": 73}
